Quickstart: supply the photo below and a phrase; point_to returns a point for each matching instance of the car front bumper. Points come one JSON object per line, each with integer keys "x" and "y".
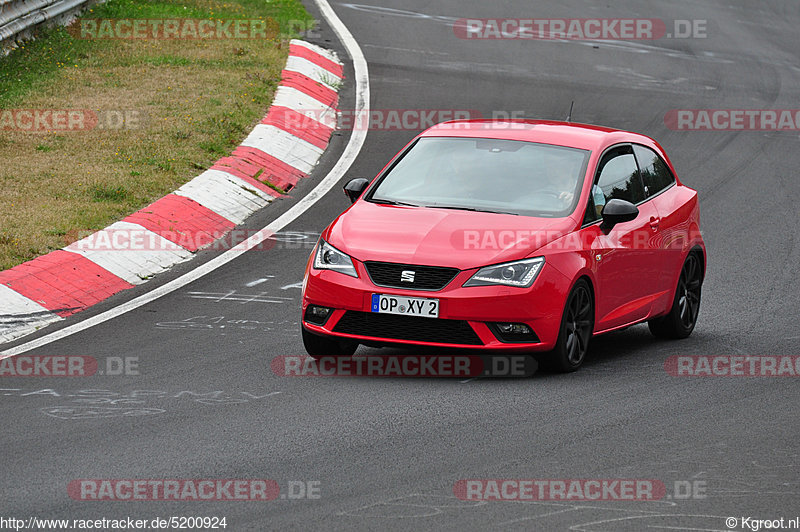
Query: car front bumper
{"x": 466, "y": 315}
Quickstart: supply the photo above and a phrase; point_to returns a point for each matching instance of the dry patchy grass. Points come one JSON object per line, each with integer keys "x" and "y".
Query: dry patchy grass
{"x": 194, "y": 100}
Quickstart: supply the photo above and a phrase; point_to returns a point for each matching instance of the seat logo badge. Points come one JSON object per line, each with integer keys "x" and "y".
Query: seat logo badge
{"x": 407, "y": 276}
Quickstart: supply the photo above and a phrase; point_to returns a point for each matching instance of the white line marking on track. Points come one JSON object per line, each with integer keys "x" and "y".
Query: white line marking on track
{"x": 258, "y": 281}
{"x": 349, "y": 155}
{"x": 219, "y": 297}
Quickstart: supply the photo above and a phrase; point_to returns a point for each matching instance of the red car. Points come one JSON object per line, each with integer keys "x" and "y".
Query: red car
{"x": 509, "y": 236}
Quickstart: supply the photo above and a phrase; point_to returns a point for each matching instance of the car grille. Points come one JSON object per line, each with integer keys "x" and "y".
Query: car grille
{"x": 424, "y": 277}
{"x": 409, "y": 328}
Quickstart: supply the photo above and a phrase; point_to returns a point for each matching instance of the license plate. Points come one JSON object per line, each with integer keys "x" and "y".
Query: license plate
{"x": 406, "y": 306}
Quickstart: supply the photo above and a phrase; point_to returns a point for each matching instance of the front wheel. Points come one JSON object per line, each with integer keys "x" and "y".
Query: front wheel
{"x": 682, "y": 317}
{"x": 577, "y": 325}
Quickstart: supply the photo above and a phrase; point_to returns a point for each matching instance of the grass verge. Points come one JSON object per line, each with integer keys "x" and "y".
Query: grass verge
{"x": 167, "y": 110}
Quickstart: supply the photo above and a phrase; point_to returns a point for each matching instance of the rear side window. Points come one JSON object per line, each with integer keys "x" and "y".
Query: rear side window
{"x": 655, "y": 172}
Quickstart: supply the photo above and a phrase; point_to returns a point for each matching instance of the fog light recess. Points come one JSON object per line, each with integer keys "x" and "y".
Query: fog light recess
{"x": 513, "y": 332}
{"x": 317, "y": 315}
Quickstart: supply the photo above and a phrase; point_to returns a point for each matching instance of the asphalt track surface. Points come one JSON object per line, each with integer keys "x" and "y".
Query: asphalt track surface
{"x": 387, "y": 452}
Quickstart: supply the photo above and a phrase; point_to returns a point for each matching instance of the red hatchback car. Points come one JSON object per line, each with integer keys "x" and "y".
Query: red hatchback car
{"x": 509, "y": 236}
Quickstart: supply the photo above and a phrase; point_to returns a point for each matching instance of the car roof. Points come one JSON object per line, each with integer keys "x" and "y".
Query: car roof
{"x": 570, "y": 134}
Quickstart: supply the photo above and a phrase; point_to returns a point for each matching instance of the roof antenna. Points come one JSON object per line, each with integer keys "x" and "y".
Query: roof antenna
{"x": 569, "y": 116}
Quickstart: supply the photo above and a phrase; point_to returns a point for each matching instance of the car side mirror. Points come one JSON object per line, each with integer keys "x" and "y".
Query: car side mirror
{"x": 617, "y": 211}
{"x": 355, "y": 187}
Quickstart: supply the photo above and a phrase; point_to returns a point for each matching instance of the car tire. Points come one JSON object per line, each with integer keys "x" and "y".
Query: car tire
{"x": 577, "y": 327}
{"x": 682, "y": 317}
{"x": 318, "y": 346}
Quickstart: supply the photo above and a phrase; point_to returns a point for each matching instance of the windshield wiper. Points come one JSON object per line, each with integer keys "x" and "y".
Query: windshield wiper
{"x": 472, "y": 209}
{"x": 392, "y": 202}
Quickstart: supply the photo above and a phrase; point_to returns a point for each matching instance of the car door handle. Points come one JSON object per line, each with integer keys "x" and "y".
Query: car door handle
{"x": 654, "y": 223}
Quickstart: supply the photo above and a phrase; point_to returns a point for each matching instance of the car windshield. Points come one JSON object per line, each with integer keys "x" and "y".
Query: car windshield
{"x": 504, "y": 176}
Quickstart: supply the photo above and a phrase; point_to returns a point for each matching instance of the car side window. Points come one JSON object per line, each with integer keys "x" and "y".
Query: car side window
{"x": 617, "y": 178}
{"x": 655, "y": 172}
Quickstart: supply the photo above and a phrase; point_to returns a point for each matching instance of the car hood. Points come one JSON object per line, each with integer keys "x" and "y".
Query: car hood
{"x": 440, "y": 237}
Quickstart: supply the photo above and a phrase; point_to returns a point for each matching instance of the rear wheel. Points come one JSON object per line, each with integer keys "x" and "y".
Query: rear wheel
{"x": 325, "y": 346}
{"x": 577, "y": 325}
{"x": 682, "y": 317}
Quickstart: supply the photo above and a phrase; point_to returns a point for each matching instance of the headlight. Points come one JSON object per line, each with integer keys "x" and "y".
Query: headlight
{"x": 520, "y": 273}
{"x": 327, "y": 257}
